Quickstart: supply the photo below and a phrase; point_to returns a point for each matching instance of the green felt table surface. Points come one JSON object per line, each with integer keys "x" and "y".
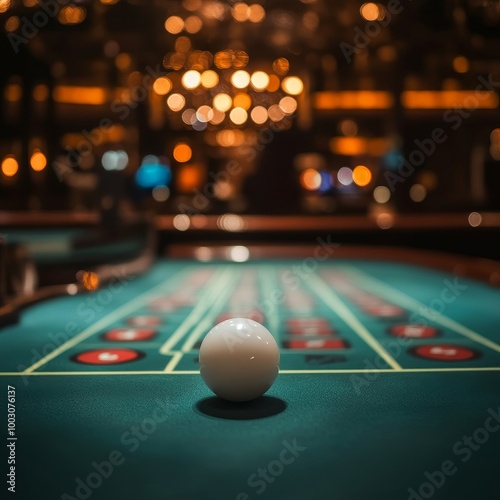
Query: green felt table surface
{"x": 367, "y": 421}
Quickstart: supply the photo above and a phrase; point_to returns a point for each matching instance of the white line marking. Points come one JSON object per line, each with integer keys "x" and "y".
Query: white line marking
{"x": 203, "y": 303}
{"x": 217, "y": 305}
{"x": 408, "y": 302}
{"x": 102, "y": 323}
{"x": 334, "y": 302}
{"x": 173, "y": 362}
{"x": 282, "y": 372}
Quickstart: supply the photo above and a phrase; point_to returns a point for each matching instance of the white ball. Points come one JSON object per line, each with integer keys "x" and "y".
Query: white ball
{"x": 239, "y": 359}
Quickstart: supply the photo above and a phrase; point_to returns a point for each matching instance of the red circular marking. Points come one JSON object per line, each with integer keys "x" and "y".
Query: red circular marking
{"x": 129, "y": 335}
{"x": 414, "y": 331}
{"x": 444, "y": 352}
{"x": 144, "y": 320}
{"x": 107, "y": 356}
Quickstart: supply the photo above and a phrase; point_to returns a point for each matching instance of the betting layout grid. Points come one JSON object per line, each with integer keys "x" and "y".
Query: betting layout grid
{"x": 337, "y": 320}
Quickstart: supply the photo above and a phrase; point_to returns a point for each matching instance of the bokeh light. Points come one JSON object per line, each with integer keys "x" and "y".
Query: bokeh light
{"x": 344, "y": 176}
{"x": 259, "y": 80}
{"x": 288, "y": 105}
{"x": 242, "y": 100}
{"x": 191, "y": 79}
{"x": 240, "y": 79}
{"x": 381, "y": 194}
{"x": 176, "y": 102}
{"x": 182, "y": 152}
{"x": 222, "y": 102}
{"x": 174, "y": 24}
{"x": 238, "y": 116}
{"x": 310, "y": 179}
{"x": 162, "y": 85}
{"x": 10, "y": 166}
{"x": 38, "y": 161}
{"x": 370, "y": 11}
{"x": 361, "y": 175}
{"x": 259, "y": 115}
{"x": 209, "y": 79}
{"x": 293, "y": 85}
{"x": 418, "y": 193}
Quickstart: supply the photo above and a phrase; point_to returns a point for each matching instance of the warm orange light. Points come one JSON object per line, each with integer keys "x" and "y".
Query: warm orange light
{"x": 13, "y": 92}
{"x": 259, "y": 80}
{"x": 71, "y": 14}
{"x": 176, "y": 102}
{"x": 174, "y": 24}
{"x": 274, "y": 83}
{"x": 79, "y": 95}
{"x": 361, "y": 176}
{"x": 209, "y": 79}
{"x": 12, "y": 24}
{"x": 433, "y": 99}
{"x": 259, "y": 115}
{"x": 38, "y": 161}
{"x": 240, "y": 12}
{"x": 188, "y": 178}
{"x": 293, "y": 85}
{"x": 238, "y": 116}
{"x": 256, "y": 13}
{"x": 40, "y": 93}
{"x": 242, "y": 100}
{"x": 363, "y": 99}
{"x": 461, "y": 64}
{"x": 162, "y": 85}
{"x": 4, "y": 5}
{"x": 182, "y": 152}
{"x": 370, "y": 11}
{"x": 10, "y": 166}
{"x": 281, "y": 66}
{"x": 288, "y": 105}
{"x": 222, "y": 102}
{"x": 193, "y": 24}
{"x": 90, "y": 280}
{"x": 310, "y": 179}
{"x": 350, "y": 146}
{"x": 223, "y": 59}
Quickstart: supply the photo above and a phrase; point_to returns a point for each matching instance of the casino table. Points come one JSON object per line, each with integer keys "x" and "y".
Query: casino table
{"x": 389, "y": 384}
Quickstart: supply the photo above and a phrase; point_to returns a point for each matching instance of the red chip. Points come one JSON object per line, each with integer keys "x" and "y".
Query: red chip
{"x": 444, "y": 352}
{"x": 303, "y": 322}
{"x": 316, "y": 344}
{"x": 414, "y": 331}
{"x": 107, "y": 356}
{"x": 129, "y": 335}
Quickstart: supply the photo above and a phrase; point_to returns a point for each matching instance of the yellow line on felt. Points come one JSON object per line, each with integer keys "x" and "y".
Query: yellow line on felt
{"x": 282, "y": 372}
{"x": 269, "y": 285}
{"x": 203, "y": 303}
{"x": 334, "y": 302}
{"x": 405, "y": 300}
{"x": 98, "y": 325}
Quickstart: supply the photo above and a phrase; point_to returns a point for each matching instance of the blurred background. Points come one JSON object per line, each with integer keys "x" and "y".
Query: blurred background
{"x": 265, "y": 117}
